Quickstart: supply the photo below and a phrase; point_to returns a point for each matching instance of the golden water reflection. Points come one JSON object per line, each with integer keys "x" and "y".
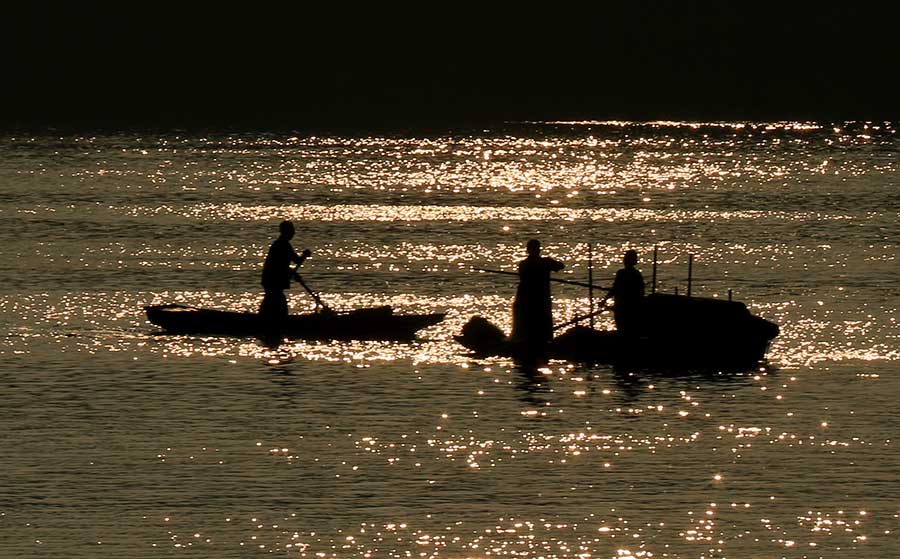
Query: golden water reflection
{"x": 97, "y": 322}
{"x": 395, "y": 212}
{"x": 134, "y": 442}
{"x": 706, "y": 531}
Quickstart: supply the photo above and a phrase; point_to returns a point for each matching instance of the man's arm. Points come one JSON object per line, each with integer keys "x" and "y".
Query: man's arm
{"x": 299, "y": 258}
{"x": 555, "y": 265}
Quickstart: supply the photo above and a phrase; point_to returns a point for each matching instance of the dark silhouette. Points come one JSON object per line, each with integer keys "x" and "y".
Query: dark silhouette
{"x": 628, "y": 293}
{"x": 277, "y": 273}
{"x": 271, "y": 323}
{"x": 657, "y": 331}
{"x": 532, "y": 307}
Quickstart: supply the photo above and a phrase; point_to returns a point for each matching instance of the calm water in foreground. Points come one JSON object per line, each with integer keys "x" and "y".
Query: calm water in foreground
{"x": 116, "y": 441}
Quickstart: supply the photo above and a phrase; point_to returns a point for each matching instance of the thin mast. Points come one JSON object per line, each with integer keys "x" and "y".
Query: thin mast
{"x": 690, "y": 272}
{"x": 591, "y": 282}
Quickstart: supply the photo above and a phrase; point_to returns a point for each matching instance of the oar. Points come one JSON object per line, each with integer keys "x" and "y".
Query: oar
{"x": 557, "y": 280}
{"x": 312, "y": 293}
{"x": 602, "y": 306}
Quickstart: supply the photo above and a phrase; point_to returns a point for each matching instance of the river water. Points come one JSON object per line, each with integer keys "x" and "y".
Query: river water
{"x": 121, "y": 442}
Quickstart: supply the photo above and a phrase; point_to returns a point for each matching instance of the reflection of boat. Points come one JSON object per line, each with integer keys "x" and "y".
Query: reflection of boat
{"x": 677, "y": 331}
{"x": 376, "y": 323}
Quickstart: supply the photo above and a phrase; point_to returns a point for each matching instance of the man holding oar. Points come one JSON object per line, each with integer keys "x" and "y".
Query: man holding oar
{"x": 532, "y": 307}
{"x": 277, "y": 273}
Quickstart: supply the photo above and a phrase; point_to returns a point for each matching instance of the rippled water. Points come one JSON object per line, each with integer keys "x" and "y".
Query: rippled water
{"x": 118, "y": 441}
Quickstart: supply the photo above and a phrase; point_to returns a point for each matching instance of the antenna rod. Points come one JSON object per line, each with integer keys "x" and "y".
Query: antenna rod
{"x": 591, "y": 282}
{"x": 690, "y": 272}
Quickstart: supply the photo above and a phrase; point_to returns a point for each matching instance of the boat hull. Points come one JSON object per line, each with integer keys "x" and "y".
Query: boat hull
{"x": 376, "y": 323}
{"x": 585, "y": 345}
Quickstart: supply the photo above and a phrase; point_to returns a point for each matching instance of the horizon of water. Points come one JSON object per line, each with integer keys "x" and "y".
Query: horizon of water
{"x": 118, "y": 440}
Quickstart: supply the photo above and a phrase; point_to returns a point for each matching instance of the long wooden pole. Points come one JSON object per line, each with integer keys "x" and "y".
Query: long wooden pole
{"x": 312, "y": 293}
{"x": 601, "y": 307}
{"x": 557, "y": 280}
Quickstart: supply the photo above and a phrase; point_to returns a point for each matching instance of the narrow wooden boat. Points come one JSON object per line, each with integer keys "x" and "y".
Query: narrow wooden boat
{"x": 677, "y": 332}
{"x": 375, "y": 323}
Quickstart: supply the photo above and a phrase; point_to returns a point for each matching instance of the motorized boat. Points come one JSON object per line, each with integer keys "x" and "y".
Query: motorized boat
{"x": 675, "y": 332}
{"x": 678, "y": 331}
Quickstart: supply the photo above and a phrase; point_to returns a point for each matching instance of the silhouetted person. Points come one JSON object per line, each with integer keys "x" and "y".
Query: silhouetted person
{"x": 628, "y": 292}
{"x": 532, "y": 311}
{"x": 277, "y": 273}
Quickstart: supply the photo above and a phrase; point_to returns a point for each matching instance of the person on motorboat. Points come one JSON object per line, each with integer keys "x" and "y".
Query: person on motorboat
{"x": 277, "y": 273}
{"x": 628, "y": 294}
{"x": 532, "y": 306}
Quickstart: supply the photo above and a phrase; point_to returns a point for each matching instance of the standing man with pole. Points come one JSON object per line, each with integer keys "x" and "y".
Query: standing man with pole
{"x": 277, "y": 273}
{"x": 532, "y": 307}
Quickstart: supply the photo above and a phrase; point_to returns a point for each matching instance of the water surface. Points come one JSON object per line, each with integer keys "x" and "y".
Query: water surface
{"x": 118, "y": 441}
